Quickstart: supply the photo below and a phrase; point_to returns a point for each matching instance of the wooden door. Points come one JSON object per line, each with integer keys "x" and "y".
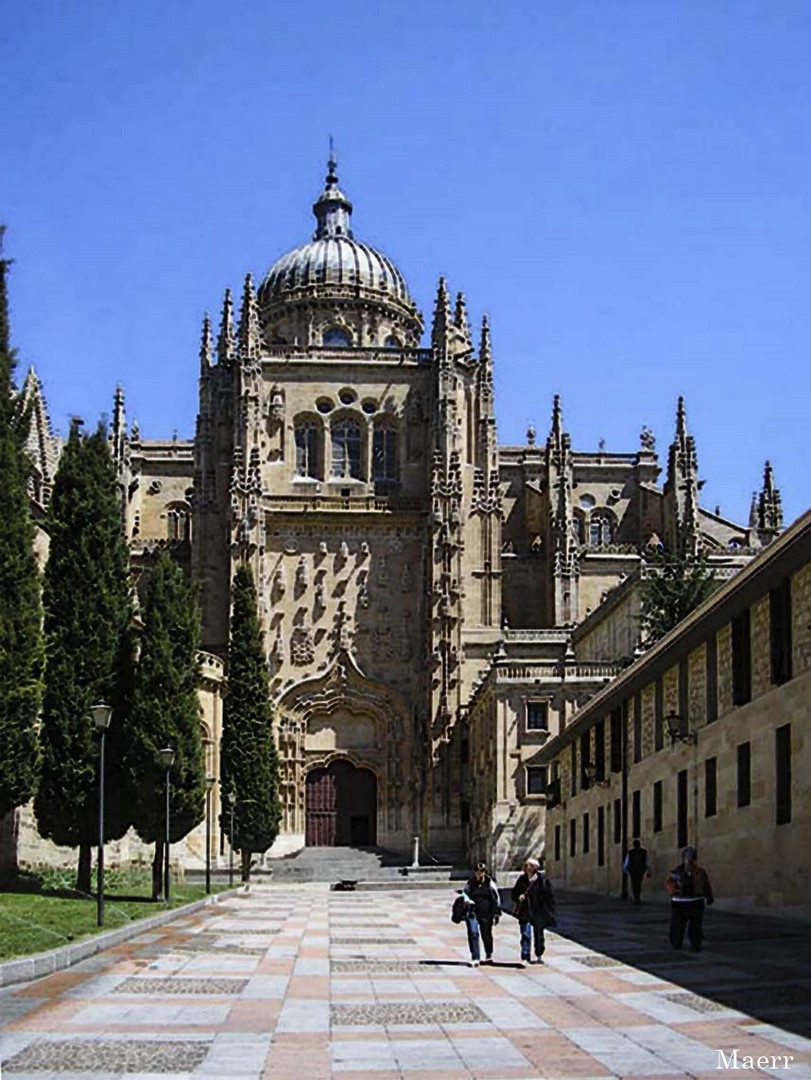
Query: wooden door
{"x": 320, "y": 809}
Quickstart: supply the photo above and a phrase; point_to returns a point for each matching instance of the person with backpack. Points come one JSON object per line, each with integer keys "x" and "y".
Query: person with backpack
{"x": 534, "y": 907}
{"x": 483, "y": 910}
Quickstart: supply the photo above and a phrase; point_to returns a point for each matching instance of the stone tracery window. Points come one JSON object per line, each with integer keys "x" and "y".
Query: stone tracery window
{"x": 346, "y": 449}
{"x": 384, "y": 454}
{"x": 306, "y": 437}
{"x": 601, "y": 528}
{"x": 178, "y": 521}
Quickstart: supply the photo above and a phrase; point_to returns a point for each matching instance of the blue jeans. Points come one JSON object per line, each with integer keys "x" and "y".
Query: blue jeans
{"x": 528, "y": 931}
{"x": 474, "y": 927}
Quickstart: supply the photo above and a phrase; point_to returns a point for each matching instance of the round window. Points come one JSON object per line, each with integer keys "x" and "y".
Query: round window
{"x": 347, "y": 396}
{"x": 324, "y": 405}
{"x": 369, "y": 406}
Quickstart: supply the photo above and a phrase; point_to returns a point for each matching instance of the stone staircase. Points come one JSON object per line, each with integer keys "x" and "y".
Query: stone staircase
{"x": 368, "y": 867}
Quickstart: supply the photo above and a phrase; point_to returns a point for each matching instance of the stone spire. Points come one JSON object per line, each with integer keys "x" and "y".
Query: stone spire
{"x": 206, "y": 347}
{"x": 42, "y": 446}
{"x": 460, "y": 319}
{"x": 226, "y": 339}
{"x": 485, "y": 371}
{"x": 442, "y": 316}
{"x": 681, "y": 489}
{"x": 332, "y": 209}
{"x": 753, "y": 511}
{"x": 118, "y": 429}
{"x": 560, "y": 517}
{"x": 770, "y": 507}
{"x": 250, "y": 336}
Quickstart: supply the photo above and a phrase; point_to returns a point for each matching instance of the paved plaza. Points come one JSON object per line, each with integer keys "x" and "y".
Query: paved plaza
{"x": 292, "y": 982}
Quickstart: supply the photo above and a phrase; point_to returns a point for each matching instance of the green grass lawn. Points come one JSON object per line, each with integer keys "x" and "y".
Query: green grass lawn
{"x": 41, "y": 911}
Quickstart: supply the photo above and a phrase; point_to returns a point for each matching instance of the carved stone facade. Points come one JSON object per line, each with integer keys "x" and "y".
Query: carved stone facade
{"x": 419, "y": 586}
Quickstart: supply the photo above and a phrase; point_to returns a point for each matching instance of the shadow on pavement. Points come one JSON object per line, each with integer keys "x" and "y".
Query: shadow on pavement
{"x": 758, "y": 965}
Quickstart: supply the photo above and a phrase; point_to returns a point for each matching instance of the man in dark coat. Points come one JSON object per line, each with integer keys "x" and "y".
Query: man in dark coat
{"x": 483, "y": 912}
{"x": 534, "y": 907}
{"x": 637, "y": 866}
{"x": 690, "y": 889}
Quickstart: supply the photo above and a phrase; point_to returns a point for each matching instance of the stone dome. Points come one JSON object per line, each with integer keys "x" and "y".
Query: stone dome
{"x": 333, "y": 272}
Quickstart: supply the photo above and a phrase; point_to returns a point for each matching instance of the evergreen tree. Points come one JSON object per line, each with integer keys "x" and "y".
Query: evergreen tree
{"x": 676, "y": 585}
{"x": 166, "y": 713}
{"x": 21, "y": 647}
{"x": 88, "y": 612}
{"x": 248, "y": 759}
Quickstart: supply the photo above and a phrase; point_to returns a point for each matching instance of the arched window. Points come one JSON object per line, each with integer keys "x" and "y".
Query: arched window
{"x": 601, "y": 529}
{"x": 384, "y": 454}
{"x": 337, "y": 337}
{"x": 178, "y": 522}
{"x": 346, "y": 449}
{"x": 391, "y": 342}
{"x": 307, "y": 449}
{"x": 579, "y": 523}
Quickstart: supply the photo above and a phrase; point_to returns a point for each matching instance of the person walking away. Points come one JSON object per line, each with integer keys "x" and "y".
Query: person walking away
{"x": 534, "y": 907}
{"x": 690, "y": 890}
{"x": 637, "y": 866}
{"x": 483, "y": 912}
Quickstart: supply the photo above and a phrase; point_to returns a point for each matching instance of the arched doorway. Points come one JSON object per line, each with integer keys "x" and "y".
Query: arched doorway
{"x": 340, "y": 806}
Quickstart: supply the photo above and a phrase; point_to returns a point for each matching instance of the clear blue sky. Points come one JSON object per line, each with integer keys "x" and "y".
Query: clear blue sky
{"x": 624, "y": 187}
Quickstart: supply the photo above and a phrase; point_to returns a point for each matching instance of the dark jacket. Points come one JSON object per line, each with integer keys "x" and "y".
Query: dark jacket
{"x": 539, "y": 906}
{"x": 485, "y": 897}
{"x": 684, "y": 886}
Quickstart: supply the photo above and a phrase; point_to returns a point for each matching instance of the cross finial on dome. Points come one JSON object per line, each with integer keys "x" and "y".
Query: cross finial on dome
{"x": 332, "y": 165}
{"x": 333, "y": 209}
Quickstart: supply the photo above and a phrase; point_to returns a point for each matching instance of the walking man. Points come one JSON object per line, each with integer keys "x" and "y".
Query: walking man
{"x": 690, "y": 889}
{"x": 637, "y": 866}
{"x": 534, "y": 907}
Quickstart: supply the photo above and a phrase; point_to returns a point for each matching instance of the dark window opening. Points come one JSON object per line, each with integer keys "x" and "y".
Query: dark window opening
{"x": 586, "y": 834}
{"x": 657, "y": 806}
{"x": 616, "y": 741}
{"x": 780, "y": 632}
{"x": 601, "y": 836}
{"x": 384, "y": 454}
{"x": 617, "y": 821}
{"x": 782, "y": 763}
{"x": 744, "y": 774}
{"x": 636, "y": 815}
{"x": 537, "y": 716}
{"x": 346, "y": 457}
{"x": 599, "y": 750}
{"x": 710, "y": 787}
{"x": 573, "y": 837}
{"x": 741, "y": 659}
{"x": 536, "y": 779}
{"x": 681, "y": 808}
{"x": 557, "y": 843}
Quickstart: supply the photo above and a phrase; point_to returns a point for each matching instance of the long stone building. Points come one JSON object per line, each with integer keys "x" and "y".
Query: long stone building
{"x": 435, "y": 605}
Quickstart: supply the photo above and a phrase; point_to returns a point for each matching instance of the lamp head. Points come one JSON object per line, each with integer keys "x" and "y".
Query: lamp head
{"x": 231, "y": 798}
{"x": 210, "y": 782}
{"x": 102, "y": 714}
{"x": 167, "y": 757}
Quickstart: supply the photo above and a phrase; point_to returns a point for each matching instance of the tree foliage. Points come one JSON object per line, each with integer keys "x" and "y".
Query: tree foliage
{"x": 248, "y": 758}
{"x": 166, "y": 713}
{"x": 675, "y": 586}
{"x": 21, "y": 645}
{"x": 88, "y": 612}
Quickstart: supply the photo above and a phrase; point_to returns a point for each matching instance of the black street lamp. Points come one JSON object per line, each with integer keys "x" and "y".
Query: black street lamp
{"x": 167, "y": 757}
{"x": 210, "y": 782}
{"x": 101, "y": 714}
{"x": 232, "y": 801}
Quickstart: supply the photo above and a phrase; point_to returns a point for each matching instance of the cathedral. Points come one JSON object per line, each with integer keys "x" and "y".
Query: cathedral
{"x": 435, "y": 605}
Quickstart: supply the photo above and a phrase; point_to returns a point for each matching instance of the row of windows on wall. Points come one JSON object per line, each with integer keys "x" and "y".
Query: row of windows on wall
{"x": 347, "y": 451}
{"x": 782, "y": 800}
{"x": 780, "y": 666}
{"x": 338, "y": 337}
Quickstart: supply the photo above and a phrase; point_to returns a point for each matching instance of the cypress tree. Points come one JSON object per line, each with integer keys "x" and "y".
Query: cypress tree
{"x": 166, "y": 713}
{"x": 88, "y": 613}
{"x": 21, "y": 646}
{"x": 248, "y": 758}
{"x": 677, "y": 585}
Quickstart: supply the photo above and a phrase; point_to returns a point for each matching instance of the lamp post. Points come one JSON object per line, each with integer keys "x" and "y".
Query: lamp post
{"x": 167, "y": 757}
{"x": 232, "y": 801}
{"x": 678, "y": 729}
{"x": 101, "y": 714}
{"x": 210, "y": 782}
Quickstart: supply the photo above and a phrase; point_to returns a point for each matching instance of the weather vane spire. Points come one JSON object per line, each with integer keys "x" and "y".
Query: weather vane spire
{"x": 332, "y": 164}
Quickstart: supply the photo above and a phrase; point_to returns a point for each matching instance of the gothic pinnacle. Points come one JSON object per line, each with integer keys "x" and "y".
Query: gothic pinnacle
{"x": 485, "y": 354}
{"x": 442, "y": 314}
{"x": 681, "y": 418}
{"x": 460, "y": 315}
{"x": 205, "y": 346}
{"x": 249, "y": 334}
{"x": 226, "y": 337}
{"x": 557, "y": 416}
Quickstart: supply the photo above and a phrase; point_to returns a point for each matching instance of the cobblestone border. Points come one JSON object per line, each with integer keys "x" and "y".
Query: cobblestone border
{"x": 26, "y": 968}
